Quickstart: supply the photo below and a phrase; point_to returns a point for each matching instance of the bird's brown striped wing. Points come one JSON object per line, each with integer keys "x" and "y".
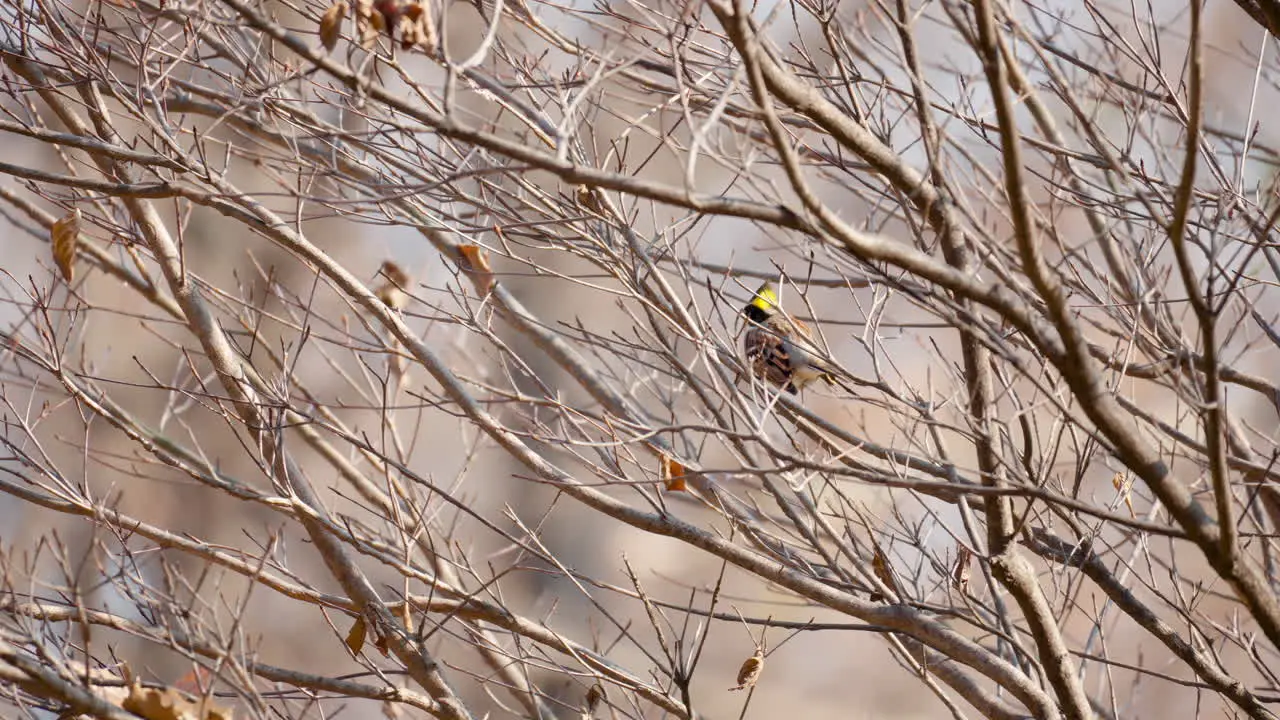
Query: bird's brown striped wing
{"x": 769, "y": 357}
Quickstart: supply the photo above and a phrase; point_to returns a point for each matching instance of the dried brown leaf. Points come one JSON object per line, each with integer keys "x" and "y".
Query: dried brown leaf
{"x": 171, "y": 704}
{"x": 674, "y": 475}
{"x": 594, "y": 696}
{"x": 749, "y": 673}
{"x": 357, "y": 635}
{"x": 390, "y": 10}
{"x": 387, "y": 16}
{"x": 377, "y": 26}
{"x": 331, "y": 23}
{"x": 477, "y": 259}
{"x": 425, "y": 25}
{"x": 411, "y": 33}
{"x": 416, "y": 27}
{"x": 880, "y": 566}
{"x": 960, "y": 573}
{"x": 370, "y": 23}
{"x": 65, "y": 236}
{"x": 587, "y": 199}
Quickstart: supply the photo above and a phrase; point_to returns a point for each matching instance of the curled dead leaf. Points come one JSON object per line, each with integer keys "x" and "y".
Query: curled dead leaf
{"x": 390, "y": 10}
{"x": 417, "y": 29}
{"x": 370, "y": 23}
{"x": 170, "y": 704}
{"x": 587, "y": 198}
{"x": 960, "y": 573}
{"x": 477, "y": 259}
{"x": 377, "y": 26}
{"x": 749, "y": 673}
{"x": 331, "y": 23}
{"x": 674, "y": 475}
{"x": 594, "y": 696}
{"x": 65, "y": 236}
{"x": 356, "y": 636}
{"x": 410, "y": 32}
{"x": 880, "y": 566}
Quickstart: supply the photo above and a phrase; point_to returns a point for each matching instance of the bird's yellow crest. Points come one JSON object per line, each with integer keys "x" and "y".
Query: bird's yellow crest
{"x": 766, "y": 298}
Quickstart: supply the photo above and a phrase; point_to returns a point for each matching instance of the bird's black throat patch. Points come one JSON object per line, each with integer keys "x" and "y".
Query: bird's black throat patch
{"x": 755, "y": 314}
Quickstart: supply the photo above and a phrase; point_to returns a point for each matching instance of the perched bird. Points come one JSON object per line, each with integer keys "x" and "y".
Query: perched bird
{"x": 780, "y": 348}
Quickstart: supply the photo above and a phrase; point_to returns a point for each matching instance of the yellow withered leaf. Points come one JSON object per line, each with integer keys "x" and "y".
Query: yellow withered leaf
{"x": 356, "y": 636}
{"x": 594, "y": 696}
{"x": 331, "y": 23}
{"x": 477, "y": 259}
{"x": 674, "y": 475}
{"x": 1124, "y": 487}
{"x": 65, "y": 236}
